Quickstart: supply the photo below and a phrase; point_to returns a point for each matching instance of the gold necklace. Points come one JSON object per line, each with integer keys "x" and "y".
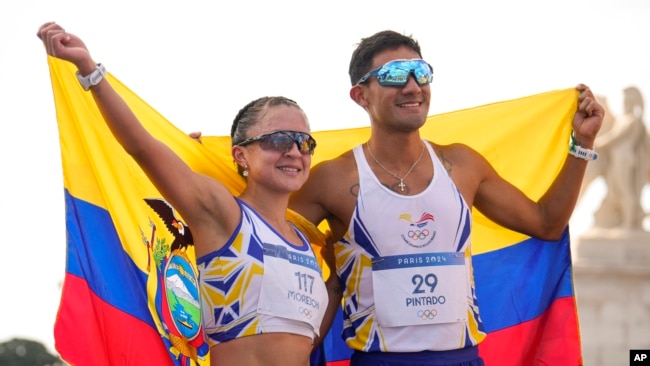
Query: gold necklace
{"x": 401, "y": 184}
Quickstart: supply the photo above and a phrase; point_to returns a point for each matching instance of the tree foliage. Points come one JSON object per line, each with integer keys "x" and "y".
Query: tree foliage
{"x": 24, "y": 352}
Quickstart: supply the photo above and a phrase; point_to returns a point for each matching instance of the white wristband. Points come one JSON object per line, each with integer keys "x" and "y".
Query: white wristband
{"x": 93, "y": 78}
{"x": 581, "y": 152}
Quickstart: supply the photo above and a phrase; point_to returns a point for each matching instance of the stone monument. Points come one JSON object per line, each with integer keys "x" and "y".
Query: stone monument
{"x": 612, "y": 258}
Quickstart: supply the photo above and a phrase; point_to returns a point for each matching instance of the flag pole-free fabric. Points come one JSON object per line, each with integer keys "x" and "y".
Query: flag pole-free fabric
{"x": 128, "y": 299}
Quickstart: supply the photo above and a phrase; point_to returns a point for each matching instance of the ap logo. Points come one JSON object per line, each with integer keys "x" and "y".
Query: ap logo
{"x": 639, "y": 357}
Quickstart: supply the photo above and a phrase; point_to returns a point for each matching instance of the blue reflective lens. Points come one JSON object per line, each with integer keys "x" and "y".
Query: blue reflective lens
{"x": 397, "y": 73}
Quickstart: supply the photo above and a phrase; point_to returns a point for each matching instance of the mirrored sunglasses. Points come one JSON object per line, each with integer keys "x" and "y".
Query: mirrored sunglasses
{"x": 397, "y": 73}
{"x": 283, "y": 141}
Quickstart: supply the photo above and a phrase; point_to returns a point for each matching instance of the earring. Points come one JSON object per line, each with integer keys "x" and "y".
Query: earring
{"x": 245, "y": 173}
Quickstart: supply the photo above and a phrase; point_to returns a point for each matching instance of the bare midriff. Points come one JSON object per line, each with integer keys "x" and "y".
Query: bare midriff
{"x": 282, "y": 349}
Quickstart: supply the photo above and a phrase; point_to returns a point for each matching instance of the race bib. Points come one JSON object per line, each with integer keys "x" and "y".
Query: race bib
{"x": 292, "y": 286}
{"x": 420, "y": 289}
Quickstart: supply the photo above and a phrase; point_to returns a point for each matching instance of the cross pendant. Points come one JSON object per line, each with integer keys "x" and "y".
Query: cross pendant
{"x": 401, "y": 185}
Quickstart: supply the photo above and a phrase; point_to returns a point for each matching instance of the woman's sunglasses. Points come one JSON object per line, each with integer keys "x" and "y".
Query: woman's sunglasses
{"x": 283, "y": 141}
{"x": 397, "y": 73}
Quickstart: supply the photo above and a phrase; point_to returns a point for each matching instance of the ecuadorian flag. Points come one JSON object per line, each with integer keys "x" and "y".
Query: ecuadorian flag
{"x": 130, "y": 294}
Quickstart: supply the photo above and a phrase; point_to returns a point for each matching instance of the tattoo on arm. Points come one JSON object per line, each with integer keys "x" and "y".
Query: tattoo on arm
{"x": 446, "y": 163}
{"x": 354, "y": 190}
{"x": 336, "y": 289}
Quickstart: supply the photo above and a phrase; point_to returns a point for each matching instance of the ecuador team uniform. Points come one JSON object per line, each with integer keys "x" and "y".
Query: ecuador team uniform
{"x": 406, "y": 267}
{"x": 260, "y": 283}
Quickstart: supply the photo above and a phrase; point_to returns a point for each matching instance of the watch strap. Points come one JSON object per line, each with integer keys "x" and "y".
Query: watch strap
{"x": 93, "y": 78}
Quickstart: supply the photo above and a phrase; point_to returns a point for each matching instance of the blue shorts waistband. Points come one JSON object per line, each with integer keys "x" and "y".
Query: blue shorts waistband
{"x": 457, "y": 357}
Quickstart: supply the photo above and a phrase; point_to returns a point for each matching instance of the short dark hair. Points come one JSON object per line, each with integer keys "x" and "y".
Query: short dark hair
{"x": 369, "y": 47}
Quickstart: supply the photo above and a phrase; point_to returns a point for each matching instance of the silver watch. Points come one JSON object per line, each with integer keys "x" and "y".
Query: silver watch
{"x": 93, "y": 78}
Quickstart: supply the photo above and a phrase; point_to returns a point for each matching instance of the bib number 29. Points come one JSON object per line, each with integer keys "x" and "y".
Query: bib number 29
{"x": 421, "y": 283}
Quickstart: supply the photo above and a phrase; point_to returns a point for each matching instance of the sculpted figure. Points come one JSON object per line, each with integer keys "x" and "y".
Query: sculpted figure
{"x": 624, "y": 163}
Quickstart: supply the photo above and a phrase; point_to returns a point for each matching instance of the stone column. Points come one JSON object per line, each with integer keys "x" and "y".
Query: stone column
{"x": 611, "y": 272}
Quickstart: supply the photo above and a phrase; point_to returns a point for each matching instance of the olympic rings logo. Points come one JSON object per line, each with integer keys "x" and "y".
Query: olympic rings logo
{"x": 418, "y": 235}
{"x": 427, "y": 314}
{"x": 305, "y": 312}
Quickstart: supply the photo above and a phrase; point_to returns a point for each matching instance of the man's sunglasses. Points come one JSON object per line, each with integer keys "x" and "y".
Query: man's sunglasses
{"x": 397, "y": 73}
{"x": 283, "y": 141}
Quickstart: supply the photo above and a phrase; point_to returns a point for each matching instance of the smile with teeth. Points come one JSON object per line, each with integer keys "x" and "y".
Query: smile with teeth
{"x": 288, "y": 169}
{"x": 409, "y": 104}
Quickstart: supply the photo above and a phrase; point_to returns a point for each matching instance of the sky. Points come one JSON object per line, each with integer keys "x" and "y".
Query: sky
{"x": 199, "y": 62}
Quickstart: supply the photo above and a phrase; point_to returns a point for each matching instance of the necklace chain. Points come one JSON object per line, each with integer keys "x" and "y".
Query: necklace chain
{"x": 401, "y": 184}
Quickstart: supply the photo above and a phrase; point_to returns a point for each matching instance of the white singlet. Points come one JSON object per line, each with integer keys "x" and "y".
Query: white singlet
{"x": 406, "y": 266}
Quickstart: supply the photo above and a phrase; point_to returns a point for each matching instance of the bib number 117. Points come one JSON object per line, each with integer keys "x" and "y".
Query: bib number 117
{"x": 305, "y": 282}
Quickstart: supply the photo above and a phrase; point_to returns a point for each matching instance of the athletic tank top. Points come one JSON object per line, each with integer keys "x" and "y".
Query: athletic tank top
{"x": 406, "y": 265}
{"x": 260, "y": 283}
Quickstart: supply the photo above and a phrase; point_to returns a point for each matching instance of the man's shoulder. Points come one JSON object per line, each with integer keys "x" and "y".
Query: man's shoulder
{"x": 452, "y": 149}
